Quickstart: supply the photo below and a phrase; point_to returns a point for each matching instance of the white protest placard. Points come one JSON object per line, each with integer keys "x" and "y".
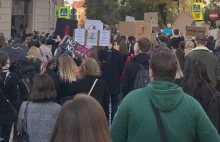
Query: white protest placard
{"x": 80, "y": 36}
{"x": 92, "y": 38}
{"x": 104, "y": 38}
{"x": 129, "y": 18}
{"x": 93, "y": 25}
{"x": 214, "y": 33}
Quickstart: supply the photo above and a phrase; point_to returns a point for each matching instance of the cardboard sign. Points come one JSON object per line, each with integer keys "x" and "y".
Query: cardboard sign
{"x": 218, "y": 38}
{"x": 200, "y": 24}
{"x": 182, "y": 21}
{"x": 93, "y": 25}
{"x": 129, "y": 18}
{"x": 79, "y": 36}
{"x": 104, "y": 38}
{"x": 197, "y": 11}
{"x": 92, "y": 38}
{"x": 217, "y": 22}
{"x": 151, "y": 16}
{"x": 79, "y": 50}
{"x": 65, "y": 27}
{"x": 194, "y": 31}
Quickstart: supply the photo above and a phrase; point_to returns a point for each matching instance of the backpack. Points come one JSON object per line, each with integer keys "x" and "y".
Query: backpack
{"x": 142, "y": 78}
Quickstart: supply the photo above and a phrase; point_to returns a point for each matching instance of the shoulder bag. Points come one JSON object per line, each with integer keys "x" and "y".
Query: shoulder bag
{"x": 92, "y": 87}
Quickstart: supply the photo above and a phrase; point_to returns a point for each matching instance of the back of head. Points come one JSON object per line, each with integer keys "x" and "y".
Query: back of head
{"x": 43, "y": 40}
{"x": 176, "y": 32}
{"x": 35, "y": 37}
{"x": 201, "y": 40}
{"x": 163, "y": 38}
{"x": 33, "y": 52}
{"x": 182, "y": 45}
{"x": 123, "y": 48}
{"x": 67, "y": 68}
{"x": 89, "y": 67}
{"x": 189, "y": 45}
{"x": 46, "y": 62}
{"x": 144, "y": 45}
{"x": 81, "y": 120}
{"x": 211, "y": 38}
{"x": 197, "y": 83}
{"x": 43, "y": 89}
{"x": 164, "y": 65}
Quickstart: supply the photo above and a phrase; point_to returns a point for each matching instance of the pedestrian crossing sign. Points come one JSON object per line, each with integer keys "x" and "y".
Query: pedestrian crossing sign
{"x": 197, "y": 11}
{"x": 64, "y": 12}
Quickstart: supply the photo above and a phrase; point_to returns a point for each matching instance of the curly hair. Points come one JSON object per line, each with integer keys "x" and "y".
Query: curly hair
{"x": 89, "y": 67}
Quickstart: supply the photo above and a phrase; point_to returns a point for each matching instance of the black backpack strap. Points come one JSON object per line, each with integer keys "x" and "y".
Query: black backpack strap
{"x": 159, "y": 123}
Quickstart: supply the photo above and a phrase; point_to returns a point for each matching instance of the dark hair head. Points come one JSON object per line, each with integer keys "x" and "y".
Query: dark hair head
{"x": 197, "y": 83}
{"x": 201, "y": 39}
{"x": 55, "y": 37}
{"x": 176, "y": 32}
{"x": 211, "y": 38}
{"x": 144, "y": 45}
{"x": 164, "y": 64}
{"x": 123, "y": 48}
{"x": 47, "y": 35}
{"x": 182, "y": 45}
{"x": 35, "y": 37}
{"x": 2, "y": 41}
{"x": 43, "y": 40}
{"x": 3, "y": 61}
{"x": 112, "y": 40}
{"x": 43, "y": 89}
{"x": 210, "y": 45}
{"x": 85, "y": 123}
{"x": 163, "y": 38}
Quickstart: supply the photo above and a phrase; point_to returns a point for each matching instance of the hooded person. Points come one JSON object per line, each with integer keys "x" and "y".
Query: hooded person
{"x": 162, "y": 111}
{"x": 132, "y": 67}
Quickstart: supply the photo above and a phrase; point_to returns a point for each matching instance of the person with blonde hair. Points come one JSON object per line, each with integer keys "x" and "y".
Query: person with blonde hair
{"x": 81, "y": 120}
{"x": 189, "y": 45}
{"x": 67, "y": 72}
{"x": 89, "y": 73}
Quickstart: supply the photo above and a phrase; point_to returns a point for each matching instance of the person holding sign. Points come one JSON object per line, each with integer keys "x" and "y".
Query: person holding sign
{"x": 176, "y": 39}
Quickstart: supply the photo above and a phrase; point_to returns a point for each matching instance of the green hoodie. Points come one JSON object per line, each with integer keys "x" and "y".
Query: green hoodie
{"x": 183, "y": 117}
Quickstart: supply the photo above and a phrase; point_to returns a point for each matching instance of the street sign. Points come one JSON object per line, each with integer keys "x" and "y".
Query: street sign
{"x": 213, "y": 15}
{"x": 64, "y": 12}
{"x": 197, "y": 11}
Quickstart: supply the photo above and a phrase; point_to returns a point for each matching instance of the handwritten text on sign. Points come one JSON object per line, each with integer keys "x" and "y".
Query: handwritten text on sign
{"x": 80, "y": 36}
{"x": 104, "y": 38}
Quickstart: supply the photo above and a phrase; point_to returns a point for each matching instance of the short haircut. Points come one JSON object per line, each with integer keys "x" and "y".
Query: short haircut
{"x": 182, "y": 44}
{"x": 211, "y": 38}
{"x": 201, "y": 39}
{"x": 163, "y": 38}
{"x": 144, "y": 44}
{"x": 43, "y": 89}
{"x": 35, "y": 37}
{"x": 164, "y": 64}
{"x": 176, "y": 32}
{"x": 43, "y": 40}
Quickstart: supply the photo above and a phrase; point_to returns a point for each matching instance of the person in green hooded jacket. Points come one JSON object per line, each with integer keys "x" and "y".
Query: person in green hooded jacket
{"x": 183, "y": 118}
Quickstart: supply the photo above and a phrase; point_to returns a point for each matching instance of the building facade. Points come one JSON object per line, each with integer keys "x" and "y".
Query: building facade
{"x": 28, "y": 15}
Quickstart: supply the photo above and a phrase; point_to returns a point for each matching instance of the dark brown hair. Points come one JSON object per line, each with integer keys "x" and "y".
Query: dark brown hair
{"x": 43, "y": 89}
{"x": 144, "y": 44}
{"x": 123, "y": 48}
{"x": 3, "y": 61}
{"x": 2, "y": 41}
{"x": 81, "y": 120}
{"x": 164, "y": 64}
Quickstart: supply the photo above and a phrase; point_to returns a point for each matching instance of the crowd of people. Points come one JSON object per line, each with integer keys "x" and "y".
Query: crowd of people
{"x": 131, "y": 91}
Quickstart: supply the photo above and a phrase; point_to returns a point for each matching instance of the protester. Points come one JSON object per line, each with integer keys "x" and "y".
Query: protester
{"x": 162, "y": 108}
{"x": 67, "y": 73}
{"x": 34, "y": 41}
{"x": 197, "y": 84}
{"x": 163, "y": 41}
{"x": 176, "y": 39}
{"x": 13, "y": 32}
{"x": 8, "y": 95}
{"x": 81, "y": 120}
{"x": 2, "y": 41}
{"x": 89, "y": 74}
{"x": 180, "y": 54}
{"x": 131, "y": 43}
{"x": 189, "y": 45}
{"x": 210, "y": 45}
{"x": 112, "y": 66}
{"x": 132, "y": 67}
{"x": 43, "y": 49}
{"x": 48, "y": 66}
{"x": 124, "y": 50}
{"x": 217, "y": 49}
{"x": 210, "y": 60}
{"x": 40, "y": 110}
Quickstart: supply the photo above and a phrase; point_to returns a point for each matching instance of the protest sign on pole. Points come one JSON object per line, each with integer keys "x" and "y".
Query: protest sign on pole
{"x": 79, "y": 50}
{"x": 182, "y": 21}
{"x": 151, "y": 17}
{"x": 104, "y": 38}
{"x": 194, "y": 31}
{"x": 79, "y": 36}
{"x": 92, "y": 37}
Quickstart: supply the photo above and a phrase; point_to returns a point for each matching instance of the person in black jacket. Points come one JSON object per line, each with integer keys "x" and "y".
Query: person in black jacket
{"x": 217, "y": 49}
{"x": 197, "y": 83}
{"x": 112, "y": 66}
{"x": 34, "y": 41}
{"x": 8, "y": 90}
{"x": 132, "y": 68}
{"x": 176, "y": 39}
{"x": 89, "y": 72}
